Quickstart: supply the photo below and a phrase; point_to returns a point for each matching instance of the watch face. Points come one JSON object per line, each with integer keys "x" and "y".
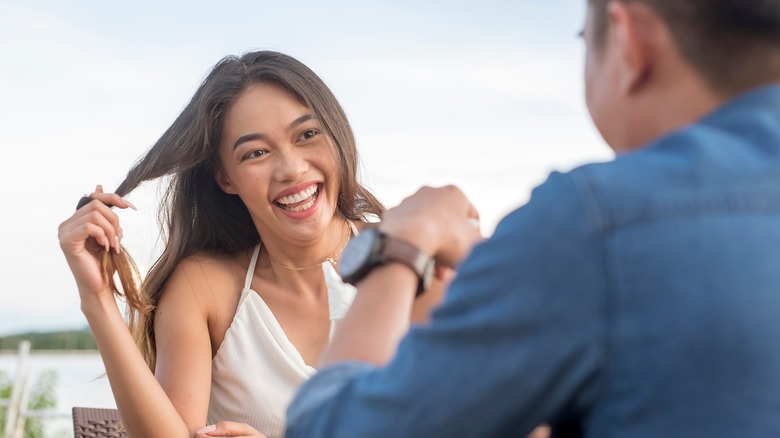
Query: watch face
{"x": 357, "y": 253}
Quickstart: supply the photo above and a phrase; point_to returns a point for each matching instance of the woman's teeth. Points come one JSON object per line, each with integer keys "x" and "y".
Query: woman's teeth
{"x": 297, "y": 197}
{"x": 308, "y": 195}
{"x": 303, "y": 207}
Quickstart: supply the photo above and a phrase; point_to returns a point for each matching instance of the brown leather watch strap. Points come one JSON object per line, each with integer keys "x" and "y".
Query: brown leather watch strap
{"x": 396, "y": 250}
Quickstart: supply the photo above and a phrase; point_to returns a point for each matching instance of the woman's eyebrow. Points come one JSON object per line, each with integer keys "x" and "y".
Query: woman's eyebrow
{"x": 300, "y": 120}
{"x": 258, "y": 136}
{"x": 248, "y": 137}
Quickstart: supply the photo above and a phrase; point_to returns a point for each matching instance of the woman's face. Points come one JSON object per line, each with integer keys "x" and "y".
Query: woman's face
{"x": 276, "y": 157}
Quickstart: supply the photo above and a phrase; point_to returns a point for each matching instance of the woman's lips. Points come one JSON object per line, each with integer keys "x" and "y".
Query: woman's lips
{"x": 299, "y": 202}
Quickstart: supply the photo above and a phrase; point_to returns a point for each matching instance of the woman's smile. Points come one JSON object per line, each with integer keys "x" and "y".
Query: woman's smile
{"x": 301, "y": 203}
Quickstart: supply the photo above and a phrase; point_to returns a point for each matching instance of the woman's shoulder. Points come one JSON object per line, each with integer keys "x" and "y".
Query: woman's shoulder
{"x": 366, "y": 220}
{"x": 214, "y": 261}
{"x": 208, "y": 274}
{"x": 207, "y": 288}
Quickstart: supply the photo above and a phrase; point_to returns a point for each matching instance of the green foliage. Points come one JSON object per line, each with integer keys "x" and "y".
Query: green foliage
{"x": 42, "y": 396}
{"x": 5, "y": 389}
{"x": 42, "y": 392}
{"x": 65, "y": 340}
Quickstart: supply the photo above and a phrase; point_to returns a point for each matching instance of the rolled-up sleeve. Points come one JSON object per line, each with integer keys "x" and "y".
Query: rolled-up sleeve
{"x": 322, "y": 388}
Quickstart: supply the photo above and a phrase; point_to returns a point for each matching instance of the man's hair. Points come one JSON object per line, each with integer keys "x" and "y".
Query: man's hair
{"x": 731, "y": 43}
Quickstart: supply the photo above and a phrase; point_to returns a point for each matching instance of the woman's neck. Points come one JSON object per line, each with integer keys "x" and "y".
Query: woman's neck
{"x": 299, "y": 256}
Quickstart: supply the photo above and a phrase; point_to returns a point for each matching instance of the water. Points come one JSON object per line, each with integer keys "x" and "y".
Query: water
{"x": 79, "y": 383}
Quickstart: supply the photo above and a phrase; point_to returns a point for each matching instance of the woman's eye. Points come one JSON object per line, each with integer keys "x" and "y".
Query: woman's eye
{"x": 254, "y": 154}
{"x": 308, "y": 134}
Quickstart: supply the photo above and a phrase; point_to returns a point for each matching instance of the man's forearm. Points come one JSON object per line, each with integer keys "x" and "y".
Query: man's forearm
{"x": 378, "y": 318}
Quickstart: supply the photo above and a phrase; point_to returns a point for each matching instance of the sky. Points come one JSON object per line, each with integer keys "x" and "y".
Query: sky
{"x": 486, "y": 95}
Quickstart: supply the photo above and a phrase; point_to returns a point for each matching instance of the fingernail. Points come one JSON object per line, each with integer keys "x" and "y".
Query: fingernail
{"x": 130, "y": 204}
{"x": 99, "y": 189}
{"x": 121, "y": 234}
{"x": 207, "y": 429}
{"x": 116, "y": 240}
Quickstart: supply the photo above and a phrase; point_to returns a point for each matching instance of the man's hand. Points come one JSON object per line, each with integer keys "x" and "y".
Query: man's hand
{"x": 440, "y": 221}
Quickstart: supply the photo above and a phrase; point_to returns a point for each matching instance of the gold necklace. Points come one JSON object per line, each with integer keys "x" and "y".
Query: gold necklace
{"x": 333, "y": 260}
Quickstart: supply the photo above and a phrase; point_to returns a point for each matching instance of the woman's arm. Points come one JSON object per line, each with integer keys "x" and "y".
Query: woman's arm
{"x": 183, "y": 342}
{"x": 145, "y": 408}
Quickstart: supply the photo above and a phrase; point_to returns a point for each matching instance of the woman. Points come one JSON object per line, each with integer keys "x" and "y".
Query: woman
{"x": 232, "y": 317}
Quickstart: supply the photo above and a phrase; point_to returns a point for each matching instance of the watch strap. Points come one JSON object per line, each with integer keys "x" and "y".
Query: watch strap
{"x": 397, "y": 250}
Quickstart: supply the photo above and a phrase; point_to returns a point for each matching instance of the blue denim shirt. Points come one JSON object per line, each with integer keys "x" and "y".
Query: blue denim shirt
{"x": 635, "y": 298}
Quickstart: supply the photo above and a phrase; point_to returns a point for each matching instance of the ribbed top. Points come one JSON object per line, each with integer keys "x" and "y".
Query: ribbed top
{"x": 257, "y": 370}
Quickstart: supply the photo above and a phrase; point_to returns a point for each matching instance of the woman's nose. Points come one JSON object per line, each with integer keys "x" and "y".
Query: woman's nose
{"x": 291, "y": 165}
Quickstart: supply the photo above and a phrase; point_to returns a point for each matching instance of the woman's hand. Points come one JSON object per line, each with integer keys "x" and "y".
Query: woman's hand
{"x": 86, "y": 236}
{"x": 228, "y": 429}
{"x": 433, "y": 296}
{"x": 542, "y": 431}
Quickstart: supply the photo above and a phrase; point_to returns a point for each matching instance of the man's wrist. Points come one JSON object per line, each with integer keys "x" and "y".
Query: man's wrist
{"x": 402, "y": 274}
{"x": 418, "y": 236}
{"x": 375, "y": 248}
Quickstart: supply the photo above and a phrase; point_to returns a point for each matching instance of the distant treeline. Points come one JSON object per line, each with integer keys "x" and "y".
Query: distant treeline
{"x": 65, "y": 340}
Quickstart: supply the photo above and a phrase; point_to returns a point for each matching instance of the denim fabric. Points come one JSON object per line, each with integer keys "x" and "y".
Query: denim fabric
{"x": 635, "y": 298}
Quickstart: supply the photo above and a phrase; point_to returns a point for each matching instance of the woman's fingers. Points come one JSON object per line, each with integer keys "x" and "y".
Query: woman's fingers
{"x": 113, "y": 200}
{"x": 228, "y": 429}
{"x": 92, "y": 229}
{"x": 109, "y": 230}
{"x": 97, "y": 213}
{"x": 101, "y": 215}
{"x": 443, "y": 273}
{"x": 110, "y": 199}
{"x": 75, "y": 238}
{"x": 542, "y": 431}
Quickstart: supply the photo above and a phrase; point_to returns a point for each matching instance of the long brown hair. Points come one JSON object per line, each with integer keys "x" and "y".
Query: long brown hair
{"x": 195, "y": 214}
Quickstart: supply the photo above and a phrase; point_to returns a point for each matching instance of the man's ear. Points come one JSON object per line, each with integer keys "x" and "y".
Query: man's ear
{"x": 223, "y": 181}
{"x": 632, "y": 24}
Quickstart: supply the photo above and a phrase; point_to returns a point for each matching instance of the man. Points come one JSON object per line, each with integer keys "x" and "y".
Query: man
{"x": 636, "y": 298}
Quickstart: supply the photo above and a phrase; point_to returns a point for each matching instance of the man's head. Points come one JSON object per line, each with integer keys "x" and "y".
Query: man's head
{"x": 645, "y": 54}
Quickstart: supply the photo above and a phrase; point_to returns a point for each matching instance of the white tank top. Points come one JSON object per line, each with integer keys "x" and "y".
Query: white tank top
{"x": 257, "y": 370}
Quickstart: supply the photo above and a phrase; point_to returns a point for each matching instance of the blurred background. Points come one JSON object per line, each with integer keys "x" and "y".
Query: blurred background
{"x": 486, "y": 95}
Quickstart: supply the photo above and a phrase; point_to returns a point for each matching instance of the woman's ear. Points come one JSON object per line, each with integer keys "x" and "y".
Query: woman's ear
{"x": 224, "y": 182}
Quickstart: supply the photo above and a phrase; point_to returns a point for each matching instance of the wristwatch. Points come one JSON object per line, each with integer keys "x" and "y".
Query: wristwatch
{"x": 372, "y": 248}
